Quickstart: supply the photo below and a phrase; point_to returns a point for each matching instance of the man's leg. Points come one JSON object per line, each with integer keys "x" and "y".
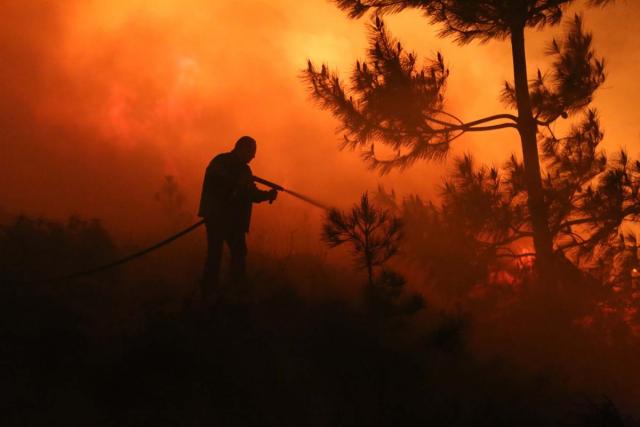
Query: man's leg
{"x": 238, "y": 248}
{"x": 211, "y": 275}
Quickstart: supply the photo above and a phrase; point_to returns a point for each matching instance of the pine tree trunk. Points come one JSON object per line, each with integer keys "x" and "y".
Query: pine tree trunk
{"x": 370, "y": 273}
{"x": 527, "y": 128}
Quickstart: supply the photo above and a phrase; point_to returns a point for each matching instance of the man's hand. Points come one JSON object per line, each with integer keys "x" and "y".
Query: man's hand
{"x": 273, "y": 195}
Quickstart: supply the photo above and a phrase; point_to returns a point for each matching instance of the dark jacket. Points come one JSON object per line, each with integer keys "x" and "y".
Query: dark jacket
{"x": 228, "y": 192}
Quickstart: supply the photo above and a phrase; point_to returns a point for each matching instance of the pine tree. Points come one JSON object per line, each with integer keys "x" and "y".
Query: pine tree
{"x": 373, "y": 233}
{"x": 394, "y": 101}
{"x": 483, "y": 215}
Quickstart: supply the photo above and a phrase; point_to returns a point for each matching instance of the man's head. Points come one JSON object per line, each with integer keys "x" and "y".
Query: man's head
{"x": 245, "y": 149}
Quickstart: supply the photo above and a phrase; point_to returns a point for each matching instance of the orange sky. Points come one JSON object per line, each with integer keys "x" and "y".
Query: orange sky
{"x": 102, "y": 98}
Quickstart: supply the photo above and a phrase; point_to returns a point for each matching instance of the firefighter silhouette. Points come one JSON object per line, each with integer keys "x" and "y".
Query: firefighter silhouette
{"x": 228, "y": 193}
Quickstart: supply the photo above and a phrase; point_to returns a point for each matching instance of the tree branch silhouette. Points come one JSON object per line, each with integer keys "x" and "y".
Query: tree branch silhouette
{"x": 374, "y": 234}
{"x": 393, "y": 101}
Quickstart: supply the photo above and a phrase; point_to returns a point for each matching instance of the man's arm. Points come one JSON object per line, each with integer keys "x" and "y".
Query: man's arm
{"x": 256, "y": 195}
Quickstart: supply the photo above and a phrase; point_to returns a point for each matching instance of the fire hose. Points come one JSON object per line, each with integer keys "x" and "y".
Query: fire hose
{"x": 176, "y": 236}
{"x": 292, "y": 193}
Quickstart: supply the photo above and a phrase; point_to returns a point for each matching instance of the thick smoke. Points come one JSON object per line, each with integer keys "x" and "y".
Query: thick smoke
{"x": 101, "y": 100}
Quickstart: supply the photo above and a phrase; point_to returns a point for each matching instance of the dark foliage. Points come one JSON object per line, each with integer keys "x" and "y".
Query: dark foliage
{"x": 391, "y": 99}
{"x": 284, "y": 363}
{"x": 575, "y": 76}
{"x": 591, "y": 201}
{"x": 469, "y": 20}
{"x": 373, "y": 233}
{"x": 36, "y": 249}
{"x": 386, "y": 297}
{"x": 396, "y": 103}
{"x": 70, "y": 356}
{"x": 449, "y": 255}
